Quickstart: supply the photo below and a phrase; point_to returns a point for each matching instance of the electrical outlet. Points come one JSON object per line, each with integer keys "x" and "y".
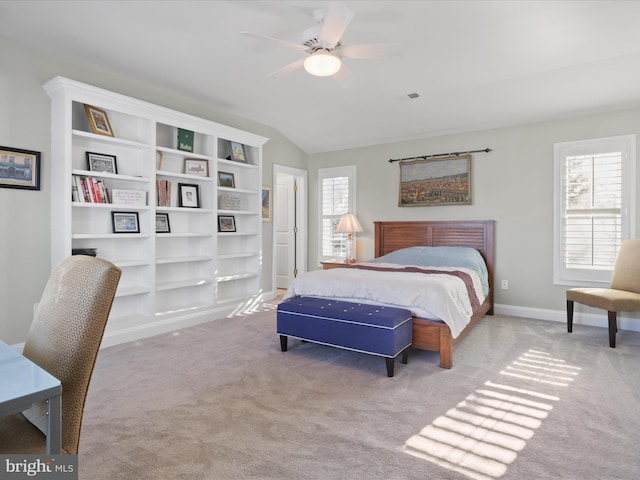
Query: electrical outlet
{"x": 505, "y": 285}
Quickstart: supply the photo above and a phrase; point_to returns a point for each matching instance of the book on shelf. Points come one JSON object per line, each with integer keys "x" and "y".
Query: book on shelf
{"x": 89, "y": 190}
{"x": 185, "y": 140}
{"x": 163, "y": 193}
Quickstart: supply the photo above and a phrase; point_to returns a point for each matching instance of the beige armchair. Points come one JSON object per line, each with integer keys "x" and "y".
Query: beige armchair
{"x": 623, "y": 295}
{"x": 64, "y": 339}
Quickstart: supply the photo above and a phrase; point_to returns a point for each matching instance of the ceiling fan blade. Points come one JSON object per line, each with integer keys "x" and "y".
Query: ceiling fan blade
{"x": 373, "y": 50}
{"x": 335, "y": 23}
{"x": 344, "y": 77}
{"x": 276, "y": 40}
{"x": 287, "y": 68}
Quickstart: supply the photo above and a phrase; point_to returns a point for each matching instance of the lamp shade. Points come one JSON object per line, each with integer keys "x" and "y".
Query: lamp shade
{"x": 348, "y": 224}
{"x": 322, "y": 64}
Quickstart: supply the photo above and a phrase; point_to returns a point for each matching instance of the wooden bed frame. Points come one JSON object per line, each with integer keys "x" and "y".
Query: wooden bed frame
{"x": 390, "y": 236}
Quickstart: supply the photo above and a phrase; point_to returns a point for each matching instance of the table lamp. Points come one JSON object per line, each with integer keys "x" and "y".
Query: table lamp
{"x": 349, "y": 224}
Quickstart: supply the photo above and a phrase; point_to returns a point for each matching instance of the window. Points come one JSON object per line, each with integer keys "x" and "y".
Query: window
{"x": 337, "y": 197}
{"x": 594, "y": 207}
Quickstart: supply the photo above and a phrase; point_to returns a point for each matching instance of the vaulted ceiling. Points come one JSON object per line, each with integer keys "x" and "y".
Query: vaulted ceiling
{"x": 475, "y": 64}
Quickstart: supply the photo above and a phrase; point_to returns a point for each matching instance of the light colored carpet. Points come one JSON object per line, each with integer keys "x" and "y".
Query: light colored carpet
{"x": 524, "y": 400}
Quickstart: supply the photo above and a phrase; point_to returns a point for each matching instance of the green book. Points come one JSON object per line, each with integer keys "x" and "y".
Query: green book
{"x": 185, "y": 140}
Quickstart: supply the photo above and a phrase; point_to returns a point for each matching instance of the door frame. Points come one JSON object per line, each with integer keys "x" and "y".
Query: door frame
{"x": 302, "y": 183}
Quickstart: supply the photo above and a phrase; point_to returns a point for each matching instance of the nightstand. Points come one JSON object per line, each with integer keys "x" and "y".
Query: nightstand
{"x": 335, "y": 264}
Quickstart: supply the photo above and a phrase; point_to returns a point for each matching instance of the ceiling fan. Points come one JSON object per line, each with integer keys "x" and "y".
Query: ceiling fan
{"x": 323, "y": 46}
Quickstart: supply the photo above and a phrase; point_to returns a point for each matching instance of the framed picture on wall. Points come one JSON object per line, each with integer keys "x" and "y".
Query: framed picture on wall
{"x": 19, "y": 168}
{"x": 435, "y": 181}
{"x": 266, "y": 203}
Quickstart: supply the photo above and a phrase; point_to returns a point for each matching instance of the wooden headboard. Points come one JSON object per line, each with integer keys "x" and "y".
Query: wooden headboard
{"x": 478, "y": 234}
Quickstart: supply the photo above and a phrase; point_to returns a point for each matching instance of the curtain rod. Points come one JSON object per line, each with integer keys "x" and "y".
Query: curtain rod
{"x": 485, "y": 150}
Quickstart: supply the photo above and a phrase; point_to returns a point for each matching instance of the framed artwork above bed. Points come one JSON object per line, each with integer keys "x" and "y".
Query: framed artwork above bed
{"x": 435, "y": 181}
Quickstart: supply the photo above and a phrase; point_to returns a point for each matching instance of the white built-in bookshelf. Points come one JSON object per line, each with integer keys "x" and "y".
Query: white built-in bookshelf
{"x": 184, "y": 226}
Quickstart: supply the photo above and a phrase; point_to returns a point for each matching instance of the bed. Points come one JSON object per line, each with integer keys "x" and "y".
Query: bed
{"x": 396, "y": 236}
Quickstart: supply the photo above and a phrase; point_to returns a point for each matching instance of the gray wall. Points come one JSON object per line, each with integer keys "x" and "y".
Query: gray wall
{"x": 25, "y": 123}
{"x": 512, "y": 185}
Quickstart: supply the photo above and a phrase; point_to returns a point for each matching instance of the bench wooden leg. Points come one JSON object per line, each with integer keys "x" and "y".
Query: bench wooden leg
{"x": 390, "y": 364}
{"x": 283, "y": 343}
{"x": 405, "y": 356}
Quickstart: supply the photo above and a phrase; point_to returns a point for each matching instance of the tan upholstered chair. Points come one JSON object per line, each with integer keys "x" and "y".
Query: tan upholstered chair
{"x": 64, "y": 340}
{"x": 623, "y": 294}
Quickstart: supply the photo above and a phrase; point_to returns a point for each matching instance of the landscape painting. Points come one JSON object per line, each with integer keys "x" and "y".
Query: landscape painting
{"x": 435, "y": 181}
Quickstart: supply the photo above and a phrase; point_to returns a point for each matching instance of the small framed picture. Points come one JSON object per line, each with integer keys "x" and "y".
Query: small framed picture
{"x": 99, "y": 121}
{"x": 188, "y": 196}
{"x": 226, "y": 223}
{"x": 227, "y": 180}
{"x": 125, "y": 222}
{"x": 162, "y": 223}
{"x": 100, "y": 162}
{"x": 194, "y": 166}
{"x": 237, "y": 152}
{"x": 266, "y": 203}
{"x": 19, "y": 168}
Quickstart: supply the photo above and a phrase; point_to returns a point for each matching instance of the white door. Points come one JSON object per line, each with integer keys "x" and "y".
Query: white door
{"x": 285, "y": 229}
{"x": 290, "y": 224}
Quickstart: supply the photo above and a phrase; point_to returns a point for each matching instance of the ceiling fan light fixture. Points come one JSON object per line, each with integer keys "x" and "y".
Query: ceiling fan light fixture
{"x": 322, "y": 64}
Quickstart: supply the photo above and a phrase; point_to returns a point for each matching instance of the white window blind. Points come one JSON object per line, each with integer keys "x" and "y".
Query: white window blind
{"x": 337, "y": 194}
{"x": 594, "y": 201}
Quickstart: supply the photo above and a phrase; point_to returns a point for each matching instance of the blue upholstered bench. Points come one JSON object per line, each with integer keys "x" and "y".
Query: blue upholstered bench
{"x": 377, "y": 330}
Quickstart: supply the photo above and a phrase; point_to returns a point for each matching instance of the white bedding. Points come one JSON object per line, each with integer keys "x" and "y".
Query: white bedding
{"x": 431, "y": 296}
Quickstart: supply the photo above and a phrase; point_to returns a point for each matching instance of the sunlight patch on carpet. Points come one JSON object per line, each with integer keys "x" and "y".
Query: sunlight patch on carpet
{"x": 483, "y": 434}
{"x": 253, "y": 305}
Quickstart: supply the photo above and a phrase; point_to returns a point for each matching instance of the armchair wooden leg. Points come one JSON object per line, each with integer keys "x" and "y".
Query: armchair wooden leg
{"x": 613, "y": 328}
{"x": 569, "y": 316}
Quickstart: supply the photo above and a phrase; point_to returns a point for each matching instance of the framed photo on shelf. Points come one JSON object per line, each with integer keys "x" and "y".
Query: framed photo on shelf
{"x": 99, "y": 121}
{"x": 188, "y": 196}
{"x": 266, "y": 203}
{"x": 19, "y": 168}
{"x": 226, "y": 223}
{"x": 125, "y": 222}
{"x": 237, "y": 152}
{"x": 101, "y": 162}
{"x": 227, "y": 180}
{"x": 162, "y": 223}
{"x": 197, "y": 167}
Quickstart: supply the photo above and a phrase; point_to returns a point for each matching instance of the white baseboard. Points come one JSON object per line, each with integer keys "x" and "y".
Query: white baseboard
{"x": 164, "y": 324}
{"x": 590, "y": 319}
{"x": 123, "y": 335}
{"x": 168, "y": 325}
